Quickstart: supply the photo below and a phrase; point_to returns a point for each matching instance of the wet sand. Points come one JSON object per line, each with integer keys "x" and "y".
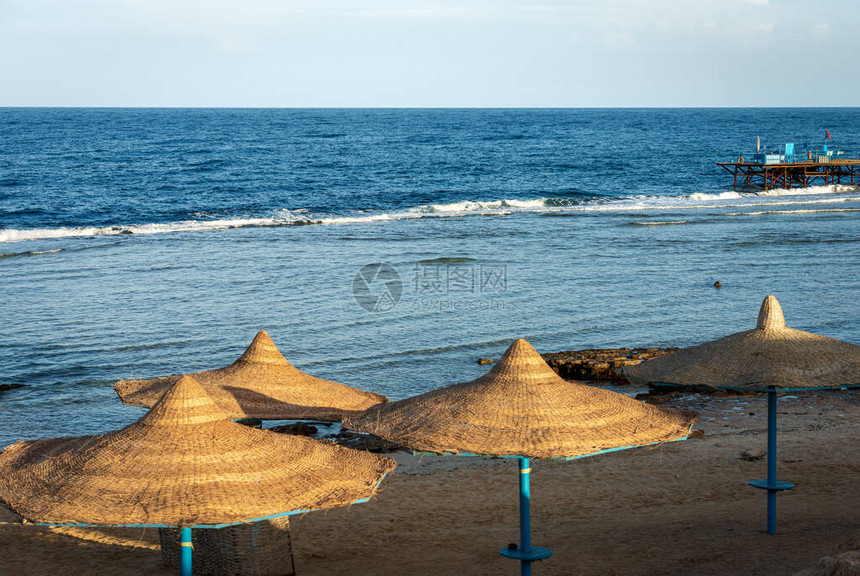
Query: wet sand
{"x": 681, "y": 508}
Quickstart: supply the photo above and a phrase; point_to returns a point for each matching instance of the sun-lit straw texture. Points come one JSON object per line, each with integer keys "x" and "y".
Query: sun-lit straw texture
{"x": 183, "y": 464}
{"x": 770, "y": 355}
{"x": 262, "y": 384}
{"x": 522, "y": 408}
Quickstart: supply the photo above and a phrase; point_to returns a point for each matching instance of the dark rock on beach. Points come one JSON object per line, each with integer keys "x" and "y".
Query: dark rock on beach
{"x": 753, "y": 455}
{"x": 844, "y": 564}
{"x": 297, "y": 429}
{"x": 367, "y": 442}
{"x": 600, "y": 364}
{"x": 658, "y": 395}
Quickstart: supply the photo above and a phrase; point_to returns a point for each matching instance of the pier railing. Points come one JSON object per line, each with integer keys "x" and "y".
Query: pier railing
{"x": 778, "y": 156}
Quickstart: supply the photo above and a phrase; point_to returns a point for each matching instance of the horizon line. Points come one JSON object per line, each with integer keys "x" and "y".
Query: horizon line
{"x": 348, "y": 107}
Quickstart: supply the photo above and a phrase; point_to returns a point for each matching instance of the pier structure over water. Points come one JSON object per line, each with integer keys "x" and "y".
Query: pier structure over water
{"x": 787, "y": 168}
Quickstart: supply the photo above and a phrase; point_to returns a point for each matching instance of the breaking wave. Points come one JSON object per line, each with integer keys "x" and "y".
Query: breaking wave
{"x": 12, "y": 235}
{"x": 477, "y": 206}
{"x": 631, "y": 204}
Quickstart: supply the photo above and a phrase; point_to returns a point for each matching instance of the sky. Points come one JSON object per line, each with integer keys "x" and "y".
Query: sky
{"x": 458, "y": 53}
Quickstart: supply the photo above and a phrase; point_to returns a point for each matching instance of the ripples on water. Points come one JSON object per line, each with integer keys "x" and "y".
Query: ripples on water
{"x": 593, "y": 256}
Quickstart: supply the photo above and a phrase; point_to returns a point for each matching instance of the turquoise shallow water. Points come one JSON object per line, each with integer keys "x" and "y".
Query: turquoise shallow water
{"x": 84, "y": 305}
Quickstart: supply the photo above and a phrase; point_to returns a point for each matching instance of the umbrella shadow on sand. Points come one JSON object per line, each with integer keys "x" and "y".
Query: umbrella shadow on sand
{"x": 770, "y": 358}
{"x": 522, "y": 409}
{"x": 184, "y": 465}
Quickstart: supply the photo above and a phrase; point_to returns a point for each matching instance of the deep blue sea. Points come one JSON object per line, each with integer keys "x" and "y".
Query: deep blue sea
{"x": 389, "y": 249}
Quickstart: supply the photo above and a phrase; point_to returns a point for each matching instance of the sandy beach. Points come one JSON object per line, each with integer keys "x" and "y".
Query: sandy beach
{"x": 274, "y": 259}
{"x": 681, "y": 508}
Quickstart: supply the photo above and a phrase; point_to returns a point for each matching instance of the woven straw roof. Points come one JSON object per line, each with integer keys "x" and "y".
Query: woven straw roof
{"x": 522, "y": 408}
{"x": 261, "y": 384}
{"x": 770, "y": 355}
{"x": 184, "y": 463}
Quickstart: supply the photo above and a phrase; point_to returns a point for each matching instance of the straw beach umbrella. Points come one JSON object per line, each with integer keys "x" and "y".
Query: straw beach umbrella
{"x": 521, "y": 408}
{"x": 771, "y": 358}
{"x": 261, "y": 385}
{"x": 184, "y": 464}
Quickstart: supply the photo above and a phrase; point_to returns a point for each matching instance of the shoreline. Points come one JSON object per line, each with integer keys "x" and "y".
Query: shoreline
{"x": 680, "y": 508}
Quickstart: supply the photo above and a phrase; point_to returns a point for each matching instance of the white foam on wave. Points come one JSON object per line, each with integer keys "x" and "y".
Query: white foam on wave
{"x": 812, "y": 190}
{"x": 703, "y": 196}
{"x": 29, "y": 253}
{"x": 695, "y": 201}
{"x": 662, "y": 223}
{"x": 799, "y": 211}
{"x": 12, "y": 235}
{"x": 364, "y": 218}
{"x": 482, "y": 206}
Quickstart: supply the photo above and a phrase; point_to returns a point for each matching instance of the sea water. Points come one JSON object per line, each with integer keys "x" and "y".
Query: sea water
{"x": 390, "y": 249}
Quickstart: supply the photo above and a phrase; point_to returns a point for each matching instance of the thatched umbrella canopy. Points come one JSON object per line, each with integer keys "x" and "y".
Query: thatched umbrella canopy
{"x": 771, "y": 355}
{"x": 522, "y": 408}
{"x": 770, "y": 358}
{"x": 183, "y": 464}
{"x": 263, "y": 385}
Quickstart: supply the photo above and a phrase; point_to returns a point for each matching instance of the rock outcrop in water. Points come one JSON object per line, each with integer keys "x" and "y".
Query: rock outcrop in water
{"x": 4, "y": 387}
{"x": 600, "y": 364}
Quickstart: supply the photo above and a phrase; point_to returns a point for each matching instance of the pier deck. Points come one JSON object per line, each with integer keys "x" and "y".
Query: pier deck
{"x": 801, "y": 174}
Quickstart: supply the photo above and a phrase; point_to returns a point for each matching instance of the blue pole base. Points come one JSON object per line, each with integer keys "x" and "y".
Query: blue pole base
{"x": 185, "y": 548}
{"x": 777, "y": 485}
{"x": 534, "y": 553}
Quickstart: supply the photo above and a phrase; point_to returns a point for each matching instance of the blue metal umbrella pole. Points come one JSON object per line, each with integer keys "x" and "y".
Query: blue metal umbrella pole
{"x": 185, "y": 549}
{"x": 772, "y": 485}
{"x": 525, "y": 552}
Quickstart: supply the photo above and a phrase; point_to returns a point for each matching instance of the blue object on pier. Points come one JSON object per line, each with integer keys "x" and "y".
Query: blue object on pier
{"x": 185, "y": 549}
{"x": 772, "y": 485}
{"x": 525, "y": 552}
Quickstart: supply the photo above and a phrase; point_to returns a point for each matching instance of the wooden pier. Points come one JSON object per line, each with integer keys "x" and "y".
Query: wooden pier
{"x": 800, "y": 174}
